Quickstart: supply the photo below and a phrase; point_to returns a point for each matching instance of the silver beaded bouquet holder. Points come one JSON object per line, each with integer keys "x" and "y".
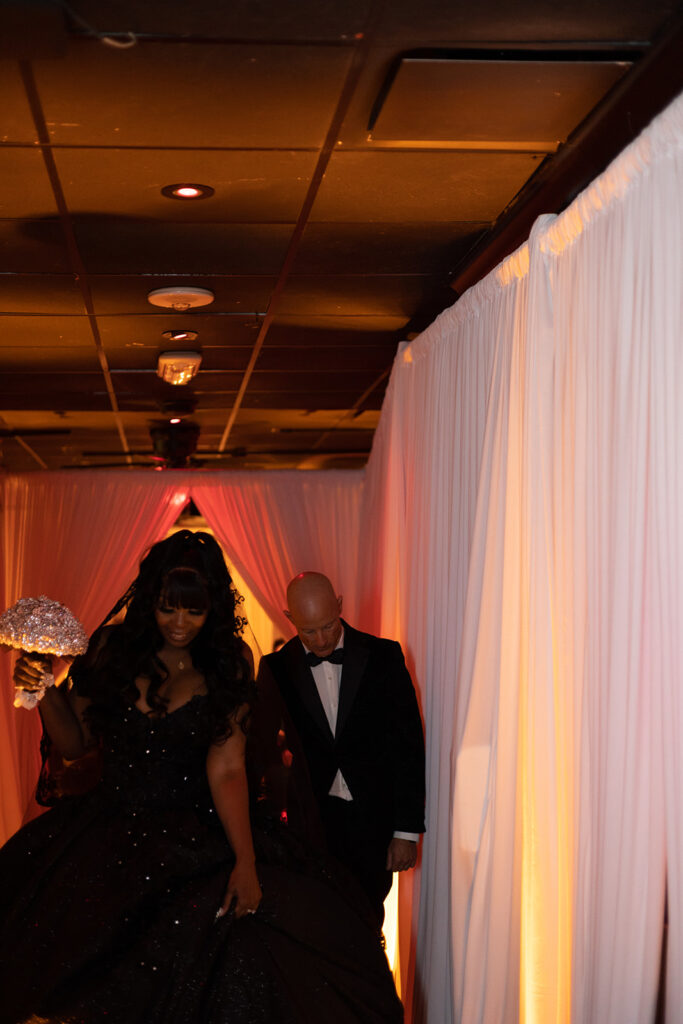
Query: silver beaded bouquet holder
{"x": 38, "y": 625}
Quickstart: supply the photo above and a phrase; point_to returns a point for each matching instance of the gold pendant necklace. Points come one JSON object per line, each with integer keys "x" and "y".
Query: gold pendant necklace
{"x": 181, "y": 665}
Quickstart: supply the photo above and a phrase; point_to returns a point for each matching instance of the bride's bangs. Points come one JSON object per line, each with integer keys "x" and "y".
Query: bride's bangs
{"x": 184, "y": 588}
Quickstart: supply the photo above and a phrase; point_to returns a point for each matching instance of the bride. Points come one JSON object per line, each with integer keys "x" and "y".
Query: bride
{"x": 189, "y": 884}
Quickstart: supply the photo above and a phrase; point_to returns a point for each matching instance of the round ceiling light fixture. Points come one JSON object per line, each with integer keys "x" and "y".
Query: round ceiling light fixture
{"x": 187, "y": 190}
{"x": 180, "y": 298}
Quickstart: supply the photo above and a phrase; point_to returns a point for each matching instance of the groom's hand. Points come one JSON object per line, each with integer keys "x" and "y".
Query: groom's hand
{"x": 401, "y": 855}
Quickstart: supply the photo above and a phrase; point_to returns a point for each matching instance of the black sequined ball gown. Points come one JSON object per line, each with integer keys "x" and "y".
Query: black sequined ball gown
{"x": 108, "y": 904}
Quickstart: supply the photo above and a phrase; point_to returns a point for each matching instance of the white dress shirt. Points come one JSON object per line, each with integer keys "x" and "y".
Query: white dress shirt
{"x": 327, "y": 678}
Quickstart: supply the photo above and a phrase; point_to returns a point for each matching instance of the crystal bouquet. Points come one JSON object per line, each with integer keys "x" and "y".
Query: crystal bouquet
{"x": 38, "y": 625}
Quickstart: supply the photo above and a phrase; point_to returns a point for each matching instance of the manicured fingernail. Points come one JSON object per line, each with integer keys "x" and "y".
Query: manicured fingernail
{"x": 219, "y": 913}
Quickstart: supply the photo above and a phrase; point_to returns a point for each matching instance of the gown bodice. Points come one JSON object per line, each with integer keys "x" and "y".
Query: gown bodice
{"x": 158, "y": 760}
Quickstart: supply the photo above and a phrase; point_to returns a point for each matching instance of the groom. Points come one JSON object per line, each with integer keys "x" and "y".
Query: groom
{"x": 352, "y": 702}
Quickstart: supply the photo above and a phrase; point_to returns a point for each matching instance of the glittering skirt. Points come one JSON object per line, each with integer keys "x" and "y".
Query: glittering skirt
{"x": 107, "y": 914}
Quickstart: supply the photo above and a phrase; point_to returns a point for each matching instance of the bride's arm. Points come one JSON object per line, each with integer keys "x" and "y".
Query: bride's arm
{"x": 227, "y": 777}
{"x": 60, "y": 709}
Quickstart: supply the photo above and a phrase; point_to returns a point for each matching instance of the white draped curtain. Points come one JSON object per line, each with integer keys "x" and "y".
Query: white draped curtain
{"x": 524, "y": 495}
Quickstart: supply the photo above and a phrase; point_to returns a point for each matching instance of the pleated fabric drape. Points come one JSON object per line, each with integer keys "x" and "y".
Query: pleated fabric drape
{"x": 276, "y": 524}
{"x": 524, "y": 494}
{"x": 420, "y": 502}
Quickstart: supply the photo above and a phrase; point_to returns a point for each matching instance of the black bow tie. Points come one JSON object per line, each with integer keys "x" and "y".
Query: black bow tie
{"x": 336, "y": 657}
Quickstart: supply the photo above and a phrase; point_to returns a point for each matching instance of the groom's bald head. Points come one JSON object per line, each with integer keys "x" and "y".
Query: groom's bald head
{"x": 314, "y": 609}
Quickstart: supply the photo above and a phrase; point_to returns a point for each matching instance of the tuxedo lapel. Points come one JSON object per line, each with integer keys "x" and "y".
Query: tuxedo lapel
{"x": 304, "y": 683}
{"x": 355, "y": 659}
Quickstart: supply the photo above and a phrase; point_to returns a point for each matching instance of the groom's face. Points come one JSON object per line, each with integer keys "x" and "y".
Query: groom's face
{"x": 317, "y": 623}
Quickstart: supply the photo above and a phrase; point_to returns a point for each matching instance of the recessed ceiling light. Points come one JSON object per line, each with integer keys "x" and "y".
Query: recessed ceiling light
{"x": 187, "y": 190}
{"x": 176, "y": 419}
{"x": 179, "y": 335}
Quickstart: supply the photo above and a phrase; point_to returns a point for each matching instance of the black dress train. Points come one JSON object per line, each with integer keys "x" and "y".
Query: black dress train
{"x": 108, "y": 904}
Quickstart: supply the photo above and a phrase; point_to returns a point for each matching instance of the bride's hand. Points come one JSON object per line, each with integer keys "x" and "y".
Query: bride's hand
{"x": 244, "y": 891}
{"x": 29, "y": 671}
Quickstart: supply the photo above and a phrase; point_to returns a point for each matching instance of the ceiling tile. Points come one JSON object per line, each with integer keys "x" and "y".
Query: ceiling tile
{"x": 32, "y": 28}
{"x": 338, "y": 400}
{"x": 51, "y": 294}
{"x": 289, "y": 437}
{"x": 220, "y": 398}
{"x": 356, "y": 294}
{"x": 421, "y": 248}
{"x": 179, "y": 94}
{"x": 353, "y": 328}
{"x": 301, "y": 379}
{"x": 250, "y": 186}
{"x": 522, "y": 101}
{"x": 27, "y": 358}
{"x": 396, "y": 186}
{"x": 65, "y": 390}
{"x": 218, "y": 360}
{"x": 72, "y": 421}
{"x": 48, "y": 333}
{"x": 16, "y": 122}
{"x": 319, "y": 360}
{"x": 30, "y": 246}
{"x": 120, "y": 246}
{"x": 277, "y": 419}
{"x": 26, "y": 190}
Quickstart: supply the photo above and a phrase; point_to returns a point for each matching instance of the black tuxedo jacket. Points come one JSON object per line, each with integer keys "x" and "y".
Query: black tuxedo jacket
{"x": 379, "y": 743}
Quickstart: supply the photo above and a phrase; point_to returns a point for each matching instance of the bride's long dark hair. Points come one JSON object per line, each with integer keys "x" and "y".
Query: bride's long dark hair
{"x": 185, "y": 570}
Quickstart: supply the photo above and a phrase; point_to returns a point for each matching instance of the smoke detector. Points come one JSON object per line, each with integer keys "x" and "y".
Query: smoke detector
{"x": 178, "y": 367}
{"x": 180, "y": 298}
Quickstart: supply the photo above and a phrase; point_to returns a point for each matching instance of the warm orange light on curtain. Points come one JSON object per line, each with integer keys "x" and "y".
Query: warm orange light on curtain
{"x": 546, "y": 725}
{"x": 546, "y": 891}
